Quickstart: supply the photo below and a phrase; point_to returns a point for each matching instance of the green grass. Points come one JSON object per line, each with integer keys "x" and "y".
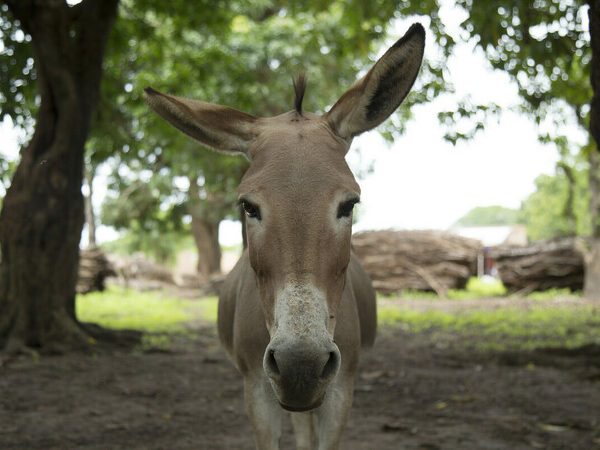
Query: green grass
{"x": 157, "y": 314}
{"x": 475, "y": 288}
{"x": 125, "y": 308}
{"x": 162, "y": 316}
{"x": 501, "y": 328}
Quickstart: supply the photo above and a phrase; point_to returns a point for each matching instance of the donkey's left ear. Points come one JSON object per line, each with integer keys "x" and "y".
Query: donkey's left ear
{"x": 219, "y": 127}
{"x": 372, "y": 99}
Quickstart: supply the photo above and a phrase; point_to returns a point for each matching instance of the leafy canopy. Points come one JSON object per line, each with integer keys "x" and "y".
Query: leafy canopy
{"x": 489, "y": 215}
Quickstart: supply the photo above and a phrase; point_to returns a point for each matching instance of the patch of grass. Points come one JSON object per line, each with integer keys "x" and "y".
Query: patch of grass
{"x": 159, "y": 315}
{"x": 475, "y": 288}
{"x": 207, "y": 308}
{"x": 551, "y": 294}
{"x": 502, "y": 328}
{"x": 481, "y": 288}
{"x": 120, "y": 308}
{"x": 478, "y": 288}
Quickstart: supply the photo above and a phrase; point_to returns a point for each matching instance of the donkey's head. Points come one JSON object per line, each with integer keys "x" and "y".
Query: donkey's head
{"x": 298, "y": 195}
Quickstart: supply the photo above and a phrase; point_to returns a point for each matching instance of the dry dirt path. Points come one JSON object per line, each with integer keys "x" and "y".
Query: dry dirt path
{"x": 409, "y": 394}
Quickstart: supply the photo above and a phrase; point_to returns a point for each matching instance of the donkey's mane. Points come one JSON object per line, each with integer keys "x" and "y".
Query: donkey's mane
{"x": 299, "y": 89}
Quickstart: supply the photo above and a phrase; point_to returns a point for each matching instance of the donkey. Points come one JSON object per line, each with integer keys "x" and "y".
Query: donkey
{"x": 296, "y": 309}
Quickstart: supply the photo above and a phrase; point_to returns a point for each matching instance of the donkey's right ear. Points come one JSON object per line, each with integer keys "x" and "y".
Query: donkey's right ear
{"x": 219, "y": 127}
{"x": 371, "y": 100}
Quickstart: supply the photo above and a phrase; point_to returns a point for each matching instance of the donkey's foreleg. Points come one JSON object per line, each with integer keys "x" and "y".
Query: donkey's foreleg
{"x": 332, "y": 415}
{"x": 304, "y": 427}
{"x": 264, "y": 412}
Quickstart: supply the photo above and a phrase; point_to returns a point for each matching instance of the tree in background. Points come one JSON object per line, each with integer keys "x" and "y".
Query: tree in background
{"x": 489, "y": 215}
{"x": 551, "y": 49}
{"x": 560, "y": 204}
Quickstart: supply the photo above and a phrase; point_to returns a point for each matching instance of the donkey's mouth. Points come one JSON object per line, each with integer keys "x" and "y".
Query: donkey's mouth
{"x": 303, "y": 408}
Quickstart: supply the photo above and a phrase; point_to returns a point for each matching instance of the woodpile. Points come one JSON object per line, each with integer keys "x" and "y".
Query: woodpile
{"x": 555, "y": 263}
{"x": 416, "y": 260}
{"x": 94, "y": 268}
{"x": 140, "y": 273}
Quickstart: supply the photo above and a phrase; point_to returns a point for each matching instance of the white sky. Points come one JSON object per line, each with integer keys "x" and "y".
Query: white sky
{"x": 422, "y": 182}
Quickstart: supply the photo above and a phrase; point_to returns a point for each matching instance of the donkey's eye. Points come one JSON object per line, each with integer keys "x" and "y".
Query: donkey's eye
{"x": 250, "y": 209}
{"x": 345, "y": 208}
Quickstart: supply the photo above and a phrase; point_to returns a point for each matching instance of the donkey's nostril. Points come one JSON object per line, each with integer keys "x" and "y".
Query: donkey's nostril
{"x": 272, "y": 363}
{"x": 331, "y": 366}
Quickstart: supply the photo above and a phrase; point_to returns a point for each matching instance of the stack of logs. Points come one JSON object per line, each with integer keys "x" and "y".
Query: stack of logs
{"x": 416, "y": 260}
{"x": 555, "y": 263}
{"x": 93, "y": 270}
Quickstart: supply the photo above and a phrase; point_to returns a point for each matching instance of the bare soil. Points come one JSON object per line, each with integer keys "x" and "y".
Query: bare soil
{"x": 410, "y": 393}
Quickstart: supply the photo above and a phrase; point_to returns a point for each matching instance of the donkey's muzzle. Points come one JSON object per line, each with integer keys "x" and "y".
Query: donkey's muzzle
{"x": 301, "y": 371}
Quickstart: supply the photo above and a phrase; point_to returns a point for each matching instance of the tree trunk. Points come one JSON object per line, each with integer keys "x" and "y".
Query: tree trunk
{"x": 206, "y": 236}
{"x": 90, "y": 217}
{"x": 43, "y": 211}
{"x": 594, "y": 183}
{"x": 569, "y": 209}
{"x": 591, "y": 288}
{"x": 591, "y": 279}
{"x": 205, "y": 230}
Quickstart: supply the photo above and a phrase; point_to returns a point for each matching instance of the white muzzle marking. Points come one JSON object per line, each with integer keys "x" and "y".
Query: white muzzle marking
{"x": 301, "y": 358}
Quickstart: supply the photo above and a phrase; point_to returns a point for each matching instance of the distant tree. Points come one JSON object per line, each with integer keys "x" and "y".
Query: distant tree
{"x": 551, "y": 49}
{"x": 489, "y": 215}
{"x": 547, "y": 212}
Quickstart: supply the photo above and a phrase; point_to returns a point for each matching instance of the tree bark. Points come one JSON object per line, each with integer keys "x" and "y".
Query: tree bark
{"x": 90, "y": 217}
{"x": 591, "y": 288}
{"x": 205, "y": 230}
{"x": 43, "y": 212}
{"x": 206, "y": 236}
{"x": 569, "y": 209}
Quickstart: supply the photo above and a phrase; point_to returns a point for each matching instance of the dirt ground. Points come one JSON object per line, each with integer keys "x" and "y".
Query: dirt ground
{"x": 410, "y": 393}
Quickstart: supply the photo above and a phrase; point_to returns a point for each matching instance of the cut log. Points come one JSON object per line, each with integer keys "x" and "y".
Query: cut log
{"x": 554, "y": 263}
{"x": 416, "y": 260}
{"x": 93, "y": 270}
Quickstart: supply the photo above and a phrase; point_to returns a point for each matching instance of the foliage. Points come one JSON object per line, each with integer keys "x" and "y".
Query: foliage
{"x": 489, "y": 215}
{"x": 161, "y": 247}
{"x": 244, "y": 60}
{"x": 18, "y": 89}
{"x": 544, "y": 210}
{"x": 544, "y": 47}
{"x": 7, "y": 169}
{"x": 148, "y": 211}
